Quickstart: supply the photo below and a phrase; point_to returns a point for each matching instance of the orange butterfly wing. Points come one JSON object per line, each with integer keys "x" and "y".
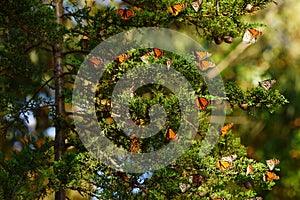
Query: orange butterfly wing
{"x": 204, "y": 65}
{"x": 202, "y": 103}
{"x": 122, "y": 58}
{"x": 96, "y": 62}
{"x": 158, "y": 53}
{"x": 176, "y": 9}
{"x": 269, "y": 176}
{"x": 224, "y": 165}
{"x": 170, "y": 135}
{"x": 249, "y": 170}
{"x": 125, "y": 14}
{"x": 201, "y": 55}
{"x": 226, "y": 128}
{"x": 255, "y": 32}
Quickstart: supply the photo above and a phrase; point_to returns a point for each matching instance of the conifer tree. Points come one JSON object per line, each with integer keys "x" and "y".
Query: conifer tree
{"x": 43, "y": 45}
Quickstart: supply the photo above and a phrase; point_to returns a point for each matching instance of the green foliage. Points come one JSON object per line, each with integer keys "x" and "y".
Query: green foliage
{"x": 255, "y": 98}
{"x": 30, "y": 29}
{"x": 25, "y": 173}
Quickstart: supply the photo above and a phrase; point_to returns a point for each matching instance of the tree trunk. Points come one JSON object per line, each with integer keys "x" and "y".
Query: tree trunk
{"x": 59, "y": 142}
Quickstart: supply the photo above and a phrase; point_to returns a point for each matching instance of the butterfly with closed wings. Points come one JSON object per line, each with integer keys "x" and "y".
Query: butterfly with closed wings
{"x": 170, "y": 135}
{"x": 251, "y": 35}
{"x": 196, "y": 5}
{"x": 267, "y": 84}
{"x": 272, "y": 163}
{"x": 202, "y": 103}
{"x": 249, "y": 170}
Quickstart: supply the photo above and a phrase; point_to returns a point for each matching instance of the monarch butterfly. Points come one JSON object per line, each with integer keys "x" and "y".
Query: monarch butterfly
{"x": 184, "y": 187}
{"x": 196, "y": 5}
{"x": 249, "y": 170}
{"x": 122, "y": 58}
{"x": 204, "y": 65}
{"x": 272, "y": 163}
{"x": 224, "y": 165}
{"x": 145, "y": 57}
{"x": 176, "y": 9}
{"x": 169, "y": 63}
{"x": 267, "y": 84}
{"x": 201, "y": 55}
{"x": 219, "y": 199}
{"x": 170, "y": 135}
{"x": 269, "y": 176}
{"x": 95, "y": 62}
{"x": 202, "y": 103}
{"x": 158, "y": 53}
{"x": 229, "y": 158}
{"x": 125, "y": 14}
{"x": 250, "y": 35}
{"x": 226, "y": 128}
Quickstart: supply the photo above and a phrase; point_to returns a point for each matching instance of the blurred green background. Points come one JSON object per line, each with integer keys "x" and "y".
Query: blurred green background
{"x": 275, "y": 55}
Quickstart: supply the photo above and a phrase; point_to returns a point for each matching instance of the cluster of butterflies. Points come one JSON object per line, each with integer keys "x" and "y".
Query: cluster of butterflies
{"x": 171, "y": 135}
{"x": 126, "y": 14}
{"x": 201, "y": 59}
{"x": 227, "y": 162}
{"x": 95, "y": 62}
{"x": 269, "y": 175}
{"x": 176, "y": 9}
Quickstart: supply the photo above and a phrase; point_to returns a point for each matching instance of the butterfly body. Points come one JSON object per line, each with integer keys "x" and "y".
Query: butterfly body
{"x": 267, "y": 84}
{"x": 125, "y": 14}
{"x": 251, "y": 35}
